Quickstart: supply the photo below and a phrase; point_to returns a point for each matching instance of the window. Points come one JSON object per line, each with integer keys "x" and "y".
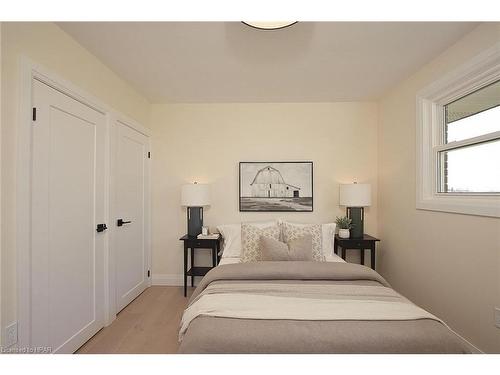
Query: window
{"x": 469, "y": 158}
{"x": 458, "y": 139}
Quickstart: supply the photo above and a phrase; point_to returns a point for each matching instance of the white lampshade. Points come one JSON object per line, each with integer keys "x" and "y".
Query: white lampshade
{"x": 355, "y": 195}
{"x": 195, "y": 195}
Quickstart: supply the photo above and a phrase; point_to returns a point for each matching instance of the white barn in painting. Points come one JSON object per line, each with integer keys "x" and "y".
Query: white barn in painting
{"x": 269, "y": 183}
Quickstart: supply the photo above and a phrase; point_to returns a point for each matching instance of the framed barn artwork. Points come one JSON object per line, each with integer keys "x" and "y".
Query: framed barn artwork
{"x": 276, "y": 186}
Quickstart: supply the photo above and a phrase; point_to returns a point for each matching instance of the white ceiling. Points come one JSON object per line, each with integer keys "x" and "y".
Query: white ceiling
{"x": 231, "y": 62}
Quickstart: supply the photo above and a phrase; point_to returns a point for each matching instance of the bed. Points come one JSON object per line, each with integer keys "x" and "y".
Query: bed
{"x": 308, "y": 307}
{"x": 255, "y": 301}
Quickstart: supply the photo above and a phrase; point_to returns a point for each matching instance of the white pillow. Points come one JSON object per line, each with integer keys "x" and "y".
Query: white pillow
{"x": 327, "y": 234}
{"x": 334, "y": 258}
{"x": 231, "y": 234}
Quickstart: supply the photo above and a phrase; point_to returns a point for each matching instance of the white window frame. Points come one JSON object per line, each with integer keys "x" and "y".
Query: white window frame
{"x": 481, "y": 71}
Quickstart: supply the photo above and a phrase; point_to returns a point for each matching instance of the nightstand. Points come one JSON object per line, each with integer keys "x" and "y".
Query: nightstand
{"x": 192, "y": 243}
{"x": 365, "y": 243}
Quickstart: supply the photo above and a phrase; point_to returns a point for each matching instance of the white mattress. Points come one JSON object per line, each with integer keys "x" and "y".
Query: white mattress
{"x": 329, "y": 258}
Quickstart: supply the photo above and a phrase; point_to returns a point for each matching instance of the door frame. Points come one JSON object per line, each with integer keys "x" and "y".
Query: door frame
{"x": 30, "y": 70}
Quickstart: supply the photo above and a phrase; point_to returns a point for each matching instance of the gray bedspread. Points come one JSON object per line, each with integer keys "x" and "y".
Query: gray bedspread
{"x": 211, "y": 334}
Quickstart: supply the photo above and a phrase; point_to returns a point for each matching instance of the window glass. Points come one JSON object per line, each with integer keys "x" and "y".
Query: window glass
{"x": 473, "y": 115}
{"x": 473, "y": 169}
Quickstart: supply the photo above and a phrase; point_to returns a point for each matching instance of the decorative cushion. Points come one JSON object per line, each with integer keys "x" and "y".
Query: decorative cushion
{"x": 298, "y": 249}
{"x": 327, "y": 232}
{"x": 231, "y": 236}
{"x": 250, "y": 240}
{"x": 292, "y": 232}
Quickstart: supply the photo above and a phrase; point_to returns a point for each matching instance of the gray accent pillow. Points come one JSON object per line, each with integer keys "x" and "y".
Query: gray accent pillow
{"x": 250, "y": 240}
{"x": 296, "y": 249}
{"x": 293, "y": 231}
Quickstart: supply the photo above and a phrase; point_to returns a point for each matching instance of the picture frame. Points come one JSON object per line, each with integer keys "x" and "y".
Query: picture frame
{"x": 278, "y": 186}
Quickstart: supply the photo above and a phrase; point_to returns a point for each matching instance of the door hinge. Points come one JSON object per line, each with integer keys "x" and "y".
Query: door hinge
{"x": 149, "y": 273}
{"x": 34, "y": 114}
{"x": 149, "y": 155}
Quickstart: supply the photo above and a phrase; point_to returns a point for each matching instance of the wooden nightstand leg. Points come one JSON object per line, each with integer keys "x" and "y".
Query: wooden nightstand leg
{"x": 362, "y": 256}
{"x": 185, "y": 268}
{"x": 372, "y": 250}
{"x": 192, "y": 265}
{"x": 217, "y": 259}
{"x": 335, "y": 246}
{"x": 343, "y": 252}
{"x": 214, "y": 256}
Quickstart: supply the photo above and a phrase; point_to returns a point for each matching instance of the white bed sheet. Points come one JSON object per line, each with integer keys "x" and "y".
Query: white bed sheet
{"x": 329, "y": 258}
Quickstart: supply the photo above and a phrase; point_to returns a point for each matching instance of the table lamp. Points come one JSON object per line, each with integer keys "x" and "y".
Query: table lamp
{"x": 355, "y": 197}
{"x": 194, "y": 197}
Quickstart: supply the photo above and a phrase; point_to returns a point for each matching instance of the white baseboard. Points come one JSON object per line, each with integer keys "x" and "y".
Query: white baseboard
{"x": 168, "y": 279}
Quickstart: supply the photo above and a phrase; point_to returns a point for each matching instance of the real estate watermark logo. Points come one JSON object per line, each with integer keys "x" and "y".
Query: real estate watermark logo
{"x": 26, "y": 350}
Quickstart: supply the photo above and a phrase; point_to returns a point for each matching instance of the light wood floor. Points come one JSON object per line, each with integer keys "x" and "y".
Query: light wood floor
{"x": 149, "y": 324}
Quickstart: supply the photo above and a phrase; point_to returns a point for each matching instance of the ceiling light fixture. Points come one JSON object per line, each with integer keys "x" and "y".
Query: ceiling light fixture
{"x": 269, "y": 25}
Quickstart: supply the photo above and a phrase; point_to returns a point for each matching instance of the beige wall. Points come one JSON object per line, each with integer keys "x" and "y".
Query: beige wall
{"x": 447, "y": 263}
{"x": 205, "y": 142}
{"x": 48, "y": 45}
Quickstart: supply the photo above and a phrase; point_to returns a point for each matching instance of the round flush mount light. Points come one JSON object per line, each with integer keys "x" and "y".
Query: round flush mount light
{"x": 275, "y": 25}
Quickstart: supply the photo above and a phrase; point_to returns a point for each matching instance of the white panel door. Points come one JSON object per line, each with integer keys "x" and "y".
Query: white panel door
{"x": 67, "y": 253}
{"x": 130, "y": 236}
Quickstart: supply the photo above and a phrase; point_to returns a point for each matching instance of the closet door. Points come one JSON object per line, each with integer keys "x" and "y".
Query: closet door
{"x": 67, "y": 185}
{"x": 131, "y": 191}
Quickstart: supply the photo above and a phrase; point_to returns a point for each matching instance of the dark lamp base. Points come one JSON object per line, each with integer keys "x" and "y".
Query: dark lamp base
{"x": 194, "y": 220}
{"x": 356, "y": 214}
